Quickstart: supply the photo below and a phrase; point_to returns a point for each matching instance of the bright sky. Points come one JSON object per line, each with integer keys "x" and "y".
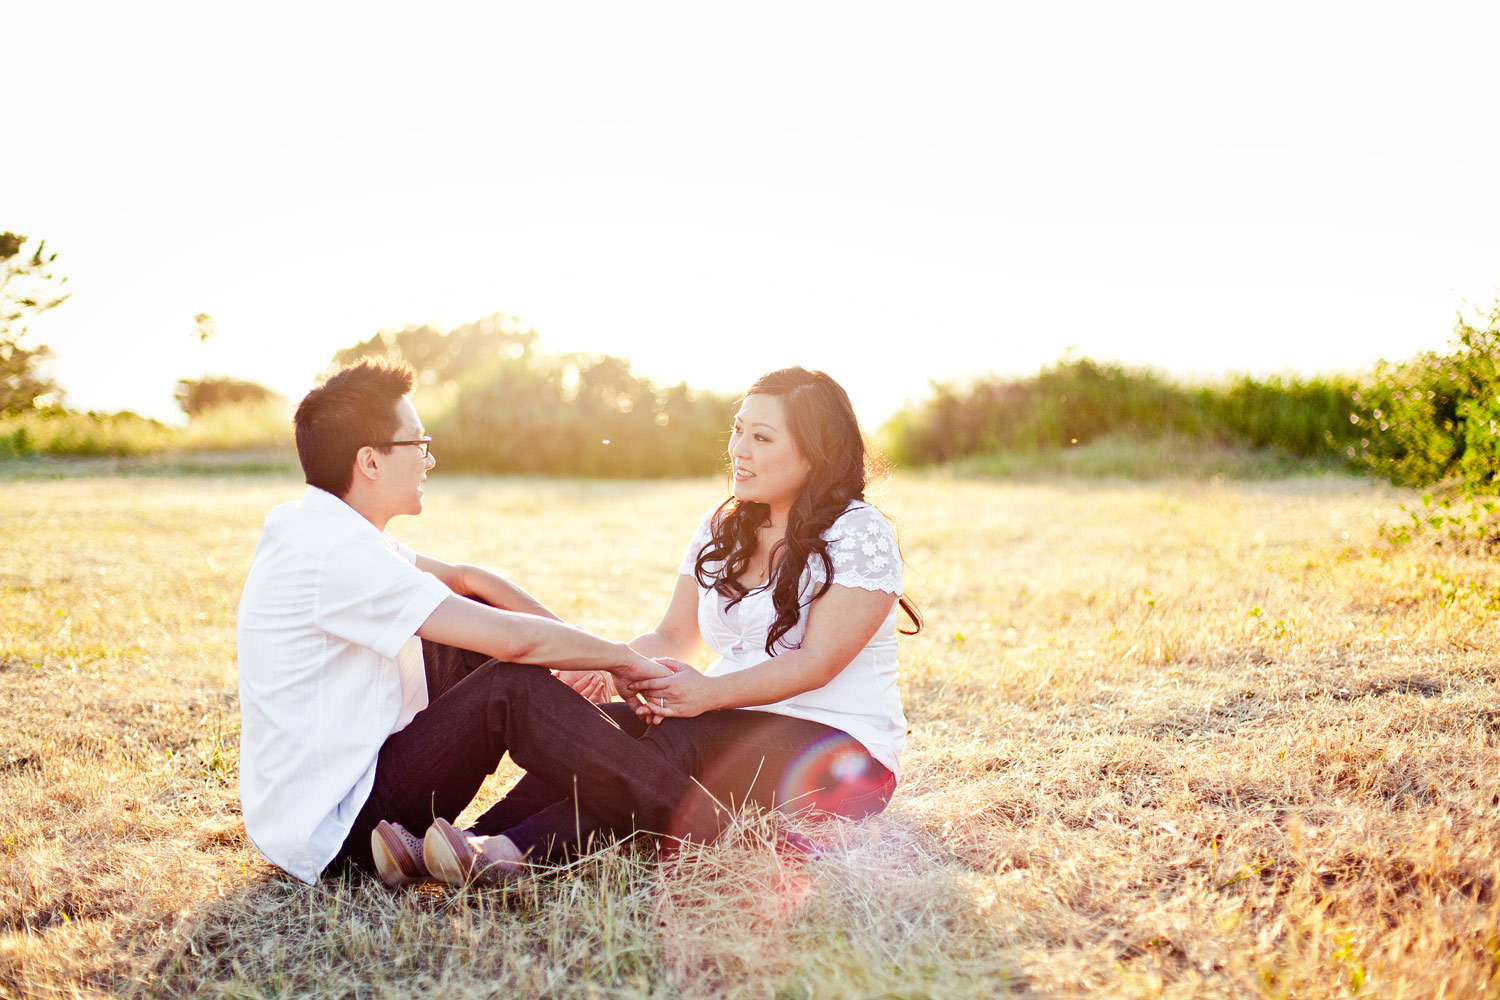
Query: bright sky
{"x": 892, "y": 193}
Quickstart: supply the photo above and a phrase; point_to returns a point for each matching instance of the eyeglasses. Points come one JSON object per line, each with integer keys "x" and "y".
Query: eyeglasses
{"x": 424, "y": 443}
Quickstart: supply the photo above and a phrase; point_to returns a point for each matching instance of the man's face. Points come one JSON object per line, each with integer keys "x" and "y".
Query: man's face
{"x": 405, "y": 468}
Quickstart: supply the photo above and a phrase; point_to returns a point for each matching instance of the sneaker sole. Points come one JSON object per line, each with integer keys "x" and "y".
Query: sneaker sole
{"x": 393, "y": 862}
{"x": 447, "y": 853}
{"x": 450, "y": 859}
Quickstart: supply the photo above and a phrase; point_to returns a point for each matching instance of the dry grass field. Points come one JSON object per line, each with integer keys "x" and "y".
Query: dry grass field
{"x": 1173, "y": 739}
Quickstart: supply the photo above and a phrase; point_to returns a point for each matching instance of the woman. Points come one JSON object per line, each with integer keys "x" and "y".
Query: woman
{"x": 794, "y": 582}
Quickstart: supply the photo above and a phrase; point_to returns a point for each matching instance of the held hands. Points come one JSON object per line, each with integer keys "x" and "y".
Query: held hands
{"x": 601, "y": 685}
{"x": 635, "y": 691}
{"x": 684, "y": 693}
{"x": 634, "y": 670}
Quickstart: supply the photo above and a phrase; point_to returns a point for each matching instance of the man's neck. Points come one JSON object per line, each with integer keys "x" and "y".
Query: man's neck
{"x": 367, "y": 507}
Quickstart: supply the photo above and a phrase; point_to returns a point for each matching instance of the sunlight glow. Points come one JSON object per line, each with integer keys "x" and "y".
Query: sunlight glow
{"x": 900, "y": 199}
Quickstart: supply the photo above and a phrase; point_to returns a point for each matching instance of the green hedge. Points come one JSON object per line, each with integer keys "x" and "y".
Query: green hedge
{"x": 1076, "y": 402}
{"x": 1433, "y": 419}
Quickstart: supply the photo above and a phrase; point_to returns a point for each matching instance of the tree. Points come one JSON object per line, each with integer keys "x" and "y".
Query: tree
{"x": 27, "y": 289}
{"x": 197, "y": 396}
{"x": 446, "y": 357}
{"x": 204, "y": 328}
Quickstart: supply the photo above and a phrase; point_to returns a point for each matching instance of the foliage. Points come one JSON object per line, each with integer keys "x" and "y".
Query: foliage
{"x": 584, "y": 415}
{"x": 1070, "y": 403}
{"x": 446, "y": 357}
{"x": 27, "y": 289}
{"x": 1431, "y": 421}
{"x": 1304, "y": 417}
{"x": 516, "y": 410}
{"x": 264, "y": 423}
{"x": 1077, "y": 401}
{"x": 250, "y": 424}
{"x": 196, "y": 397}
{"x": 1435, "y": 421}
{"x": 204, "y": 329}
{"x": 1435, "y": 416}
{"x": 55, "y": 431}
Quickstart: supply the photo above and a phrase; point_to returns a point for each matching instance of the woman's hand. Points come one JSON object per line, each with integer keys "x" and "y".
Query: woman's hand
{"x": 632, "y": 691}
{"x": 683, "y": 695}
{"x": 595, "y": 685}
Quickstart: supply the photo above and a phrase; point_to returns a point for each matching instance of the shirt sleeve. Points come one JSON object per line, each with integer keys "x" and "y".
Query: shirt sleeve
{"x": 701, "y": 537}
{"x": 372, "y": 596}
{"x": 862, "y": 545}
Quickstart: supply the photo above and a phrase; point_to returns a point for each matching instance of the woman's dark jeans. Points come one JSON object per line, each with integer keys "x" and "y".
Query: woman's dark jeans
{"x": 740, "y": 756}
{"x": 479, "y": 710}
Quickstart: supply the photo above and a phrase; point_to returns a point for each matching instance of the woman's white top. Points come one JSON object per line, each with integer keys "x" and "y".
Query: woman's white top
{"x": 862, "y": 700}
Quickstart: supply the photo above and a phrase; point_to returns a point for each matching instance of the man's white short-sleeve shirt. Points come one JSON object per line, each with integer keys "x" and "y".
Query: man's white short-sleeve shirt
{"x": 330, "y": 665}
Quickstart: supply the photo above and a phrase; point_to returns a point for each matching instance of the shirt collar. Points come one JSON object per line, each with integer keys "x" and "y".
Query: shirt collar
{"x": 321, "y": 500}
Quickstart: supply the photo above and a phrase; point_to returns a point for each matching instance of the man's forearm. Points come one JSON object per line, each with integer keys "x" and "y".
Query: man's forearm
{"x": 498, "y": 592}
{"x": 523, "y": 638}
{"x": 657, "y": 643}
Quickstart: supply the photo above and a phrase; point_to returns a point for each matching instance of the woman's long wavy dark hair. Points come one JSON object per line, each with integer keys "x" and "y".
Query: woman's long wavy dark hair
{"x": 821, "y": 422}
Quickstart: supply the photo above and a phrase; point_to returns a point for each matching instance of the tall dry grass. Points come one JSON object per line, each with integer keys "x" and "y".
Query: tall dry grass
{"x": 1167, "y": 739}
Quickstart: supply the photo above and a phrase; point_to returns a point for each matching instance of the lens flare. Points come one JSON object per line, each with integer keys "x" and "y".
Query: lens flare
{"x": 830, "y": 776}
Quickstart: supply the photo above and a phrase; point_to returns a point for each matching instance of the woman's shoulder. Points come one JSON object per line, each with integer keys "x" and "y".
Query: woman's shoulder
{"x": 859, "y": 516}
{"x": 862, "y": 547}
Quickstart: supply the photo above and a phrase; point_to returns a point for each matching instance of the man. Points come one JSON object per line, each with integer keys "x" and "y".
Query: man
{"x": 379, "y": 687}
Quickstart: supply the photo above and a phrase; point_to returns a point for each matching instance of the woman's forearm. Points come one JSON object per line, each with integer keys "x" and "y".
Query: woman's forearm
{"x": 840, "y": 624}
{"x": 773, "y": 680}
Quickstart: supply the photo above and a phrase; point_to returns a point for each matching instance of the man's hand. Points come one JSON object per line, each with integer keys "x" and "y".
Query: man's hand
{"x": 595, "y": 685}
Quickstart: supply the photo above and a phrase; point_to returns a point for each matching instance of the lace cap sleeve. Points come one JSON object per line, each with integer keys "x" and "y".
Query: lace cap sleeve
{"x": 701, "y": 537}
{"x": 862, "y": 544}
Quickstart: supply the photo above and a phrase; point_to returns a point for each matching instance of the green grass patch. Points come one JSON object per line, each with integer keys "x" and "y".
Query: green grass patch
{"x": 1169, "y": 457}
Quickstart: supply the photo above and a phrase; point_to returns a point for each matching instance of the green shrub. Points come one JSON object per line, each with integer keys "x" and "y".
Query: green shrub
{"x": 1480, "y": 465}
{"x": 581, "y": 415}
{"x": 16, "y": 443}
{"x": 1431, "y": 418}
{"x": 1075, "y": 402}
{"x": 1308, "y": 418}
{"x": 256, "y": 422}
{"x": 1435, "y": 421}
{"x": 1070, "y": 403}
{"x": 196, "y": 397}
{"x": 56, "y": 431}
{"x": 495, "y": 404}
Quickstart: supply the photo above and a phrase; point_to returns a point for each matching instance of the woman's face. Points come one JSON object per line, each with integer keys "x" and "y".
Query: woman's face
{"x": 768, "y": 468}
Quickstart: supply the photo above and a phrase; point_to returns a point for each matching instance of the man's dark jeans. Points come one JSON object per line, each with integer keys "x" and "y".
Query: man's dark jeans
{"x": 741, "y": 757}
{"x": 479, "y": 710}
